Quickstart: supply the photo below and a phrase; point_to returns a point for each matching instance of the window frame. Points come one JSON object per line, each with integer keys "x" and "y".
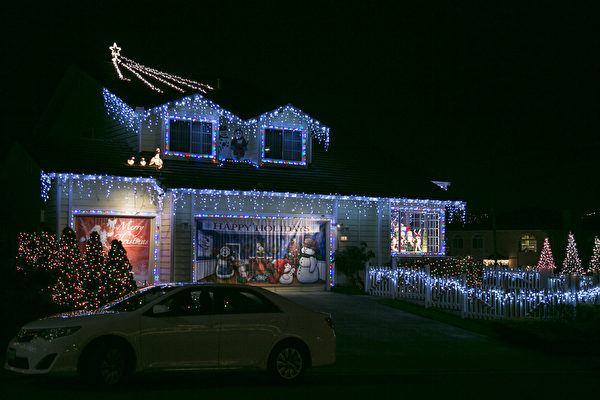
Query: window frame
{"x": 529, "y": 238}
{"x": 188, "y": 292}
{"x": 479, "y": 238}
{"x": 220, "y": 294}
{"x": 189, "y": 154}
{"x": 458, "y": 242}
{"x": 282, "y": 161}
{"x": 429, "y": 213}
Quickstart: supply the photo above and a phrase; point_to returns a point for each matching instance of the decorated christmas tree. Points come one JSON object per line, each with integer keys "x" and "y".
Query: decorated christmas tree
{"x": 546, "y": 261}
{"x": 119, "y": 278}
{"x": 572, "y": 263}
{"x": 69, "y": 267}
{"x": 293, "y": 254}
{"x": 35, "y": 251}
{"x": 94, "y": 277}
{"x": 595, "y": 261}
{"x": 34, "y": 254}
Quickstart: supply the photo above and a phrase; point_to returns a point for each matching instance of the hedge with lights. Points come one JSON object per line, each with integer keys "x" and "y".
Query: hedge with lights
{"x": 448, "y": 267}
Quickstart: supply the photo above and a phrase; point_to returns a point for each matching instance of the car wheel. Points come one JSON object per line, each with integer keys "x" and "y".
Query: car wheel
{"x": 106, "y": 364}
{"x": 287, "y": 362}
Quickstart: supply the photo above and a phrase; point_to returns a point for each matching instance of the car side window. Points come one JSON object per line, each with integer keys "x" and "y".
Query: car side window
{"x": 235, "y": 301}
{"x": 190, "y": 302}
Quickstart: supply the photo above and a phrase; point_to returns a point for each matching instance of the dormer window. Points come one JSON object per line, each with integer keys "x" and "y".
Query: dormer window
{"x": 283, "y": 145}
{"x": 191, "y": 137}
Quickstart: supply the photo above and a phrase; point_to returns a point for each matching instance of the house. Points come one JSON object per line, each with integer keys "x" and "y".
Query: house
{"x": 514, "y": 247}
{"x": 246, "y": 199}
{"x": 516, "y": 241}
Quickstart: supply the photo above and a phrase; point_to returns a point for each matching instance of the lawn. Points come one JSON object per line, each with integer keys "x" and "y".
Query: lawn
{"x": 574, "y": 333}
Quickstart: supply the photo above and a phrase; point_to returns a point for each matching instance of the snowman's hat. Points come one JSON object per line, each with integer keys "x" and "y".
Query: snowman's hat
{"x": 310, "y": 243}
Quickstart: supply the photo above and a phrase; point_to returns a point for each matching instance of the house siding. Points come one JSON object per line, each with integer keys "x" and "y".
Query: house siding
{"x": 73, "y": 196}
{"x": 165, "y": 259}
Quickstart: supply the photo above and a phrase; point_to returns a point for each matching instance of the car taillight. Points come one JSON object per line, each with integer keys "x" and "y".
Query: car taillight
{"x": 329, "y": 322}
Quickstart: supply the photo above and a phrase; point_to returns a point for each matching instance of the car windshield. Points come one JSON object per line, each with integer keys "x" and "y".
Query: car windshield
{"x": 139, "y": 298}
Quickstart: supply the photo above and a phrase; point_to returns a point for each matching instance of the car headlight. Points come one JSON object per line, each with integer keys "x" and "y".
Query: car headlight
{"x": 46, "y": 334}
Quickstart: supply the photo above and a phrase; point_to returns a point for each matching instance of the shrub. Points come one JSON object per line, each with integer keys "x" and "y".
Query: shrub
{"x": 351, "y": 261}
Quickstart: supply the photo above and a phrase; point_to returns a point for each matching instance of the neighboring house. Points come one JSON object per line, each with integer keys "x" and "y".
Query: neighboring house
{"x": 514, "y": 247}
{"x": 247, "y": 200}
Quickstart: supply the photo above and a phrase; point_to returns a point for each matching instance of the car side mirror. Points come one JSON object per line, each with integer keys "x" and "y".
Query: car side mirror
{"x": 160, "y": 309}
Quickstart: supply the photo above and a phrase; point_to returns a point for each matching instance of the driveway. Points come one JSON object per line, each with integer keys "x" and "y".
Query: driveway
{"x": 374, "y": 339}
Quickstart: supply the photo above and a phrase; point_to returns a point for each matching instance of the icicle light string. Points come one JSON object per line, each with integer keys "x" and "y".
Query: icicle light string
{"x": 258, "y": 201}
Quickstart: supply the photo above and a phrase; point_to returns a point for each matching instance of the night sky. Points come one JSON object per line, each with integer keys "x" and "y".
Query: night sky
{"x": 502, "y": 101}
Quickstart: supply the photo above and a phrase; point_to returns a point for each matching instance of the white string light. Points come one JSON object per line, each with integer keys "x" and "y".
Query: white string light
{"x": 416, "y": 277}
{"x": 137, "y": 69}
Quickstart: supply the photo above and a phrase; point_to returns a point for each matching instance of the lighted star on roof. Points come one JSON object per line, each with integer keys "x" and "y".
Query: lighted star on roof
{"x": 146, "y": 74}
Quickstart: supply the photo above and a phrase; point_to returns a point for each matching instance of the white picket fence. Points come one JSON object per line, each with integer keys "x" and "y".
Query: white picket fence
{"x": 511, "y": 279}
{"x": 503, "y": 294}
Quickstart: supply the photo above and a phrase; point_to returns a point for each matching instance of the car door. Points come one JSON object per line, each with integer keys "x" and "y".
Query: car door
{"x": 185, "y": 334}
{"x": 249, "y": 325}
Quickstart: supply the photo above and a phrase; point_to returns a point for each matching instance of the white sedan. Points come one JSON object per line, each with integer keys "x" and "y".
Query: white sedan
{"x": 178, "y": 326}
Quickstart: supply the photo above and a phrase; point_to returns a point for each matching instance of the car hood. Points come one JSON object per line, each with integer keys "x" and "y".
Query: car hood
{"x": 74, "y": 318}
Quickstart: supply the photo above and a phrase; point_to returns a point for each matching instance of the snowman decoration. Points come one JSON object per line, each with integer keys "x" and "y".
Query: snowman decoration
{"x": 225, "y": 262}
{"x": 239, "y": 145}
{"x": 223, "y": 146}
{"x": 287, "y": 276}
{"x": 307, "y": 265}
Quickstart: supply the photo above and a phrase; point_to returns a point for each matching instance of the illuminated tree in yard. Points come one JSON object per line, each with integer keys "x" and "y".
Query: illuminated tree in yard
{"x": 595, "y": 261}
{"x": 57, "y": 271}
{"x": 69, "y": 266}
{"x": 94, "y": 277}
{"x": 546, "y": 261}
{"x": 35, "y": 251}
{"x": 572, "y": 263}
{"x": 119, "y": 278}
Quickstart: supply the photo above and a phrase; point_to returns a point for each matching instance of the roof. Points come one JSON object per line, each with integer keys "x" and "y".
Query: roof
{"x": 326, "y": 174}
{"x": 68, "y": 147}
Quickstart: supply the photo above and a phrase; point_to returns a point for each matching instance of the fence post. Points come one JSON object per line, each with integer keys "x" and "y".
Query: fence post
{"x": 395, "y": 275}
{"x": 544, "y": 280}
{"x": 367, "y": 277}
{"x": 463, "y": 296}
{"x": 427, "y": 286}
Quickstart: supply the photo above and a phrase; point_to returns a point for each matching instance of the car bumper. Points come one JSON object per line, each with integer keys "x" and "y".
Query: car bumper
{"x": 38, "y": 356}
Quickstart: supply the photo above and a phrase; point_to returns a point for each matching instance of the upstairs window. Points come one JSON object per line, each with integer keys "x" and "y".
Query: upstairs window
{"x": 284, "y": 146}
{"x": 186, "y": 137}
{"x": 528, "y": 243}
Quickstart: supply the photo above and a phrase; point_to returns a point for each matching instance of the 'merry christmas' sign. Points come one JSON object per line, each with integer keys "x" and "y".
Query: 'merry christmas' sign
{"x": 133, "y": 232}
